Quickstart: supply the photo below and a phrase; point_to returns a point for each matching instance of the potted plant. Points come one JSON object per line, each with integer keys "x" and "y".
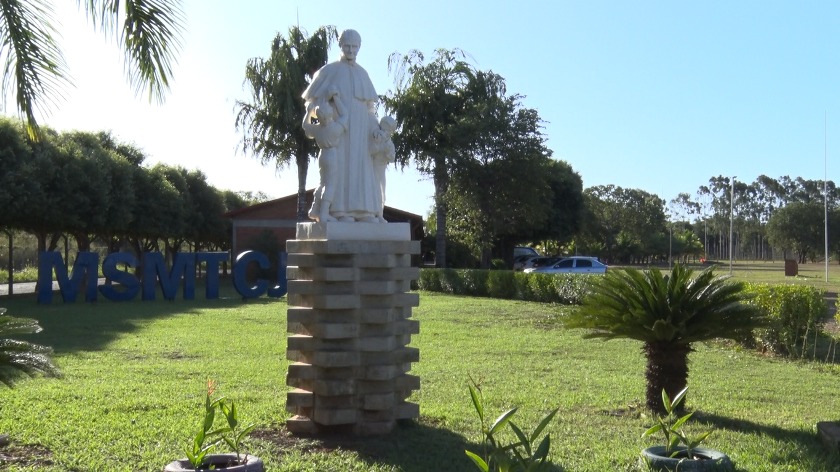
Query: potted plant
{"x": 522, "y": 455}
{"x": 681, "y": 452}
{"x": 199, "y": 454}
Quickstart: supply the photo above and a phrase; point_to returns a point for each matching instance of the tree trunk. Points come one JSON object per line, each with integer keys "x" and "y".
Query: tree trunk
{"x": 441, "y": 180}
{"x": 11, "y": 262}
{"x": 486, "y": 257}
{"x": 82, "y": 241}
{"x": 303, "y": 169}
{"x": 53, "y": 244}
{"x": 667, "y": 368}
{"x": 440, "y": 230}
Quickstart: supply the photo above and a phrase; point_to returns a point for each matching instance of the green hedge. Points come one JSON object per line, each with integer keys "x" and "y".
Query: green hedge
{"x": 567, "y": 289}
{"x": 795, "y": 312}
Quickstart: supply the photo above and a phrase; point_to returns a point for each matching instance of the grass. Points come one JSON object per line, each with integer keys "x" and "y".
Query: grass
{"x": 135, "y": 374}
{"x": 27, "y": 274}
{"x": 773, "y": 272}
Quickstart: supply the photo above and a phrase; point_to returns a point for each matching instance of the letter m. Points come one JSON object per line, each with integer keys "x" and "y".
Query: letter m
{"x": 84, "y": 275}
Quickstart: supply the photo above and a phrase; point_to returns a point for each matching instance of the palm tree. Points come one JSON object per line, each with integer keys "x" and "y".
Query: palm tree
{"x": 20, "y": 356}
{"x": 430, "y": 104}
{"x": 667, "y": 313}
{"x": 35, "y": 68}
{"x": 272, "y": 120}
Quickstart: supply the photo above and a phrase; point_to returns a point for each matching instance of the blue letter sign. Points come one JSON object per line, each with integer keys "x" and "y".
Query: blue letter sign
{"x": 122, "y": 285}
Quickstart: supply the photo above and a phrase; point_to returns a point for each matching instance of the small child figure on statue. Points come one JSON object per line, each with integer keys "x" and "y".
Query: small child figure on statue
{"x": 331, "y": 125}
{"x": 382, "y": 152}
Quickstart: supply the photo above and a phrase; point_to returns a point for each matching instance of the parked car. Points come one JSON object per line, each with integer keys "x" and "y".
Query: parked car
{"x": 524, "y": 251}
{"x": 536, "y": 262}
{"x": 520, "y": 261}
{"x": 522, "y": 254}
{"x": 572, "y": 265}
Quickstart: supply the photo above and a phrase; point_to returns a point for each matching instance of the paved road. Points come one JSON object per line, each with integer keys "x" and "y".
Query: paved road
{"x": 22, "y": 287}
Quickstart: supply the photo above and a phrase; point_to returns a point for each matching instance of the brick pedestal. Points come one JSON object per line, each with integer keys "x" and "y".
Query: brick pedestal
{"x": 349, "y": 327}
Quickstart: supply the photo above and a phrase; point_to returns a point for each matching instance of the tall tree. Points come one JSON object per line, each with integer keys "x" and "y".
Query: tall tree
{"x": 15, "y": 156}
{"x": 565, "y": 204}
{"x": 271, "y": 120}
{"x": 799, "y": 227}
{"x": 501, "y": 189}
{"x": 209, "y": 205}
{"x": 429, "y": 103}
{"x": 627, "y": 223}
{"x": 56, "y": 176}
{"x": 34, "y": 65}
{"x": 15, "y": 189}
{"x": 159, "y": 213}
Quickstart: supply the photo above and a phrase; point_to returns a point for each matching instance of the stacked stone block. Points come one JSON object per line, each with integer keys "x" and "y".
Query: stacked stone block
{"x": 349, "y": 320}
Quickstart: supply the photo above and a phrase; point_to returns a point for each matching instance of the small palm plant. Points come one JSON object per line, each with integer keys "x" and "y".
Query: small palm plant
{"x": 18, "y": 357}
{"x": 667, "y": 313}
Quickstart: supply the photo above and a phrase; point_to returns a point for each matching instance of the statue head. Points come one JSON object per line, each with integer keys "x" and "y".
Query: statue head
{"x": 388, "y": 125}
{"x": 350, "y": 41}
{"x": 325, "y": 113}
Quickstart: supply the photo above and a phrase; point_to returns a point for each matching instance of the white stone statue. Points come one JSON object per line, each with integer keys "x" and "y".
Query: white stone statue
{"x": 382, "y": 151}
{"x": 328, "y": 131}
{"x": 351, "y": 188}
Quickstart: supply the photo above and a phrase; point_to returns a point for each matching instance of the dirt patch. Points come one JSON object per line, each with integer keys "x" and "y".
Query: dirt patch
{"x": 339, "y": 439}
{"x": 30, "y": 455}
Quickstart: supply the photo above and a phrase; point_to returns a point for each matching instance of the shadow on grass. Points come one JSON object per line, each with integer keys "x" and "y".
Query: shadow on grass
{"x": 90, "y": 326}
{"x": 414, "y": 446}
{"x": 807, "y": 449}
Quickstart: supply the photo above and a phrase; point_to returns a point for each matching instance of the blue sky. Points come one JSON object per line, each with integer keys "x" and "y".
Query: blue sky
{"x": 655, "y": 95}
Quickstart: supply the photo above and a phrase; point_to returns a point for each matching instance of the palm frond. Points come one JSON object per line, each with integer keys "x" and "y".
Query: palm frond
{"x": 151, "y": 36}
{"x": 10, "y": 325}
{"x": 678, "y": 307}
{"x": 33, "y": 64}
{"x": 22, "y": 357}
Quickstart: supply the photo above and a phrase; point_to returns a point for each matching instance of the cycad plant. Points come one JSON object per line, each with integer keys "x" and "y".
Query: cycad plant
{"x": 18, "y": 357}
{"x": 667, "y": 313}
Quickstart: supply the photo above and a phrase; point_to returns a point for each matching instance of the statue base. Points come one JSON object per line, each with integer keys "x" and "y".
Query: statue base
{"x": 349, "y": 323}
{"x": 354, "y": 231}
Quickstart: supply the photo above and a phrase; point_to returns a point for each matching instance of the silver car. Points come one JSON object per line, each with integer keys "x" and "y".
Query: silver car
{"x": 572, "y": 265}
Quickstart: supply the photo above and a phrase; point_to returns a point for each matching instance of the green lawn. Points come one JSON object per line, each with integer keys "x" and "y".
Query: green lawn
{"x": 135, "y": 375}
{"x": 812, "y": 273}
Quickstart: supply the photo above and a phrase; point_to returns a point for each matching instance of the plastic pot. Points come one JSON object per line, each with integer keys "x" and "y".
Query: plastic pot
{"x": 223, "y": 462}
{"x": 703, "y": 460}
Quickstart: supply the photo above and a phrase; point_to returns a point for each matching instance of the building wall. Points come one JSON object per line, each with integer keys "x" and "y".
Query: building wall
{"x": 245, "y": 232}
{"x": 278, "y": 217}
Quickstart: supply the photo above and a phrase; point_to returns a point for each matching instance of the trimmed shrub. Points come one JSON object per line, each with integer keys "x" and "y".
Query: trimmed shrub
{"x": 501, "y": 284}
{"x": 795, "y": 312}
{"x": 429, "y": 280}
{"x": 542, "y": 288}
{"x": 523, "y": 287}
{"x": 570, "y": 289}
{"x": 567, "y": 289}
{"x": 475, "y": 282}
{"x": 450, "y": 282}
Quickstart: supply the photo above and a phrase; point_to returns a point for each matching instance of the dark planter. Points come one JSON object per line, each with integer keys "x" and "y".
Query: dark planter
{"x": 705, "y": 460}
{"x": 223, "y": 462}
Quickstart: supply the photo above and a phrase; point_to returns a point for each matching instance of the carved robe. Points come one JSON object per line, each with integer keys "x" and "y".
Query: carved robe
{"x": 357, "y": 193}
